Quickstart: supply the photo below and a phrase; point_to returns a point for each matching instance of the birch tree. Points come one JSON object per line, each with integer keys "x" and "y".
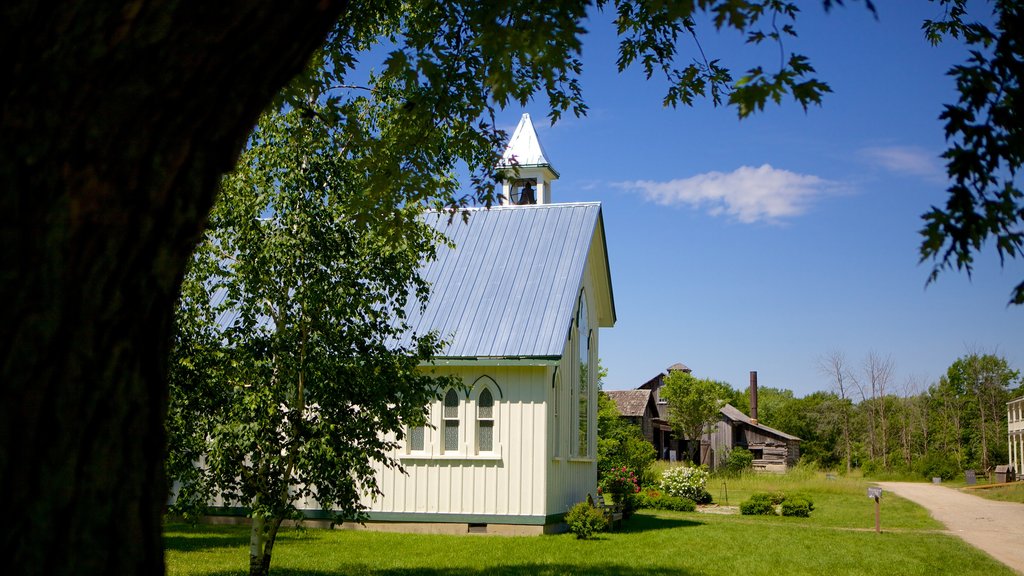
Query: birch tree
{"x": 293, "y": 377}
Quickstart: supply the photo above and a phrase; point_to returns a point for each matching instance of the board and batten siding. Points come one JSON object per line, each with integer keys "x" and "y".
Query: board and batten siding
{"x": 509, "y": 481}
{"x": 572, "y": 477}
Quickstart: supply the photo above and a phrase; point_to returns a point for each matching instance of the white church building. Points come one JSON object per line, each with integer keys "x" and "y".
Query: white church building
{"x": 520, "y": 299}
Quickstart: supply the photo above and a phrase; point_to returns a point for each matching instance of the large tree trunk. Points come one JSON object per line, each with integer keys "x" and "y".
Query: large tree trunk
{"x": 116, "y": 123}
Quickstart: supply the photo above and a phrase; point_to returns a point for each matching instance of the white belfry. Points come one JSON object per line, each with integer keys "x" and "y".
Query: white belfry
{"x": 528, "y": 173}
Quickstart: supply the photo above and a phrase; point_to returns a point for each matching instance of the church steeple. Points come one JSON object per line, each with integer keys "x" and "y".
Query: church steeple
{"x": 531, "y": 184}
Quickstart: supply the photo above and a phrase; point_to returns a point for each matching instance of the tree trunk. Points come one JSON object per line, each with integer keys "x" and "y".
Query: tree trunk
{"x": 117, "y": 123}
{"x": 846, "y": 439}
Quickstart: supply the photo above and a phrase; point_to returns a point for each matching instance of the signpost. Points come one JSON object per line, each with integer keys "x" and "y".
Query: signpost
{"x": 876, "y": 494}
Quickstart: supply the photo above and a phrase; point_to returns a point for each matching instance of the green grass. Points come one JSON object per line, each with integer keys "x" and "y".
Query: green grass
{"x": 1011, "y": 493}
{"x": 838, "y": 538}
{"x": 652, "y": 543}
{"x": 838, "y": 503}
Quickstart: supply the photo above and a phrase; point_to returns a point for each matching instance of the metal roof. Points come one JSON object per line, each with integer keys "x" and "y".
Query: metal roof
{"x": 733, "y": 413}
{"x": 509, "y": 287}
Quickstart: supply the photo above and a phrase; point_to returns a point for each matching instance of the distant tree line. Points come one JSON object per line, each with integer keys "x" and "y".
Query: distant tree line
{"x": 868, "y": 420}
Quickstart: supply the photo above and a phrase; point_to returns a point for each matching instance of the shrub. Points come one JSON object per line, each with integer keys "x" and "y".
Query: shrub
{"x": 938, "y": 465}
{"x": 676, "y": 504}
{"x": 796, "y": 506}
{"x": 764, "y": 504}
{"x": 644, "y": 500}
{"x": 584, "y": 520}
{"x": 738, "y": 460}
{"x": 804, "y": 497}
{"x": 759, "y": 504}
{"x": 652, "y": 499}
{"x": 687, "y": 482}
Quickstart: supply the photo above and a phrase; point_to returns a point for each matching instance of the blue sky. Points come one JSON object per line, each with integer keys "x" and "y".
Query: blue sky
{"x": 766, "y": 243}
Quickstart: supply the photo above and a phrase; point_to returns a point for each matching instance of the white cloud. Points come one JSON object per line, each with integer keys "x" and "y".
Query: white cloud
{"x": 908, "y": 160}
{"x": 747, "y": 194}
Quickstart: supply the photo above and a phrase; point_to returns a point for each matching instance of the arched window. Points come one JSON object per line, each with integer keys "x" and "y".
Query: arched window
{"x": 556, "y": 385}
{"x": 450, "y": 421}
{"x": 485, "y": 421}
{"x": 418, "y": 436}
{"x": 583, "y": 395}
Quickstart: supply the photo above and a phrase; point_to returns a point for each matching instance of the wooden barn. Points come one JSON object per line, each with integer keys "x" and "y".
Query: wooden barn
{"x": 774, "y": 450}
{"x": 638, "y": 407}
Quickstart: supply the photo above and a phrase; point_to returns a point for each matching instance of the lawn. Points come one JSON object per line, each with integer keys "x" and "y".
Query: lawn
{"x": 1011, "y": 493}
{"x": 837, "y": 539}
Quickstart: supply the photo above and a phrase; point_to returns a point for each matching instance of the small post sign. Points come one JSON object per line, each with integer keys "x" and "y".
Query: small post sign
{"x": 875, "y": 494}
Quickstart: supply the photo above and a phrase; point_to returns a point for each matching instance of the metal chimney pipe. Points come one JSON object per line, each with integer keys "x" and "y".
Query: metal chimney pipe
{"x": 753, "y": 396}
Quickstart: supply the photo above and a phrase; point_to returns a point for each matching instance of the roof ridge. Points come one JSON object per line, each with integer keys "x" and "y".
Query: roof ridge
{"x": 520, "y": 207}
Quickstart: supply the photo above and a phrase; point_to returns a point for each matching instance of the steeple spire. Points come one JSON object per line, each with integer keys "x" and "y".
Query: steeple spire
{"x": 528, "y": 173}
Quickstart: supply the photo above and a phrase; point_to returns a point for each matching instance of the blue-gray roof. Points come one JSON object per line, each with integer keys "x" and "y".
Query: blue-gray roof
{"x": 509, "y": 287}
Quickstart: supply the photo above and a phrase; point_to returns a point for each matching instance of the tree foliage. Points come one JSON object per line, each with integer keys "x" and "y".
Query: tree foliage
{"x": 290, "y": 378}
{"x": 693, "y": 405}
{"x": 985, "y": 128}
{"x": 970, "y": 409}
{"x": 120, "y": 119}
{"x": 620, "y": 443}
{"x": 958, "y": 422}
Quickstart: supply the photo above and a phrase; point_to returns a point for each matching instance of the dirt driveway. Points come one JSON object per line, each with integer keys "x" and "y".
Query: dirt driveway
{"x": 995, "y": 527}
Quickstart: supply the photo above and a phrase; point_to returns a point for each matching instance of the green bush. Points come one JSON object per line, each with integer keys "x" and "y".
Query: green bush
{"x": 764, "y": 504}
{"x": 642, "y": 500}
{"x": 796, "y": 506}
{"x": 738, "y": 460}
{"x": 804, "y": 497}
{"x": 654, "y": 500}
{"x": 938, "y": 465}
{"x": 759, "y": 504}
{"x": 584, "y": 520}
{"x": 676, "y": 504}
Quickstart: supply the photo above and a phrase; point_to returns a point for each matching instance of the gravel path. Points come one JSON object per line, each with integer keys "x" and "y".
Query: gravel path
{"x": 994, "y": 527}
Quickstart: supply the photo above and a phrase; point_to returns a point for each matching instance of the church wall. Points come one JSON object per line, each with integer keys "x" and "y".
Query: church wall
{"x": 470, "y": 484}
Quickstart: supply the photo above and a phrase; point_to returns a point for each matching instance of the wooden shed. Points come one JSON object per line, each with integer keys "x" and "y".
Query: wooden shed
{"x": 774, "y": 450}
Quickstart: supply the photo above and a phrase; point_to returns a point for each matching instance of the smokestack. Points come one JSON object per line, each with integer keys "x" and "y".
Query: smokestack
{"x": 753, "y": 396}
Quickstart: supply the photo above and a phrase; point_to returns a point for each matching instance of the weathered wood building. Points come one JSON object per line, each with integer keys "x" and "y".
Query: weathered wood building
{"x": 773, "y": 449}
{"x": 638, "y": 407}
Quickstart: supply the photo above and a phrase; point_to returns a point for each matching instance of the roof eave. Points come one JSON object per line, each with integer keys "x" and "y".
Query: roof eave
{"x": 493, "y": 361}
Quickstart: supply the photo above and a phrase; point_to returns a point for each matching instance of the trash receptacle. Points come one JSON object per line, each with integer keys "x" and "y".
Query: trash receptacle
{"x": 1004, "y": 473}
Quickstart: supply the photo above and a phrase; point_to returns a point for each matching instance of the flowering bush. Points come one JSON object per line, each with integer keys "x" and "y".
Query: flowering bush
{"x": 687, "y": 482}
{"x": 620, "y": 482}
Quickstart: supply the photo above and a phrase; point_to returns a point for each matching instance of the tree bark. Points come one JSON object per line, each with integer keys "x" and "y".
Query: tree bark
{"x": 116, "y": 123}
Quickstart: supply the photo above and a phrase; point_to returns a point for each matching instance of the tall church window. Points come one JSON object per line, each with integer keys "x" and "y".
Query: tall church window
{"x": 485, "y": 421}
{"x": 583, "y": 336}
{"x": 556, "y": 384}
{"x": 417, "y": 438}
{"x": 450, "y": 421}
